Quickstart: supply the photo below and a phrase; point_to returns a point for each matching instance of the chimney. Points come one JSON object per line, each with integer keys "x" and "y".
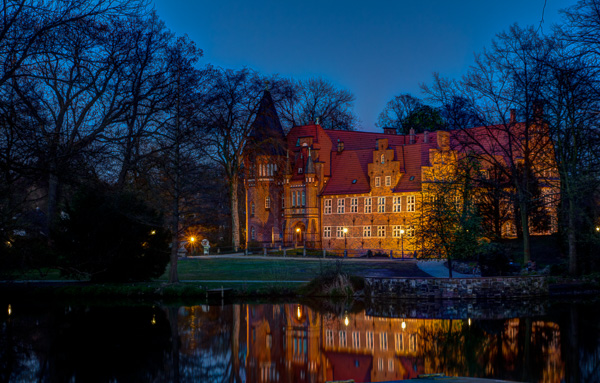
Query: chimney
{"x": 388, "y": 130}
{"x": 412, "y": 135}
{"x": 426, "y": 136}
{"x": 513, "y": 116}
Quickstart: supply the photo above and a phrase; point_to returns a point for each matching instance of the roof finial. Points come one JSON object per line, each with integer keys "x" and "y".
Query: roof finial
{"x": 266, "y": 84}
{"x": 317, "y": 120}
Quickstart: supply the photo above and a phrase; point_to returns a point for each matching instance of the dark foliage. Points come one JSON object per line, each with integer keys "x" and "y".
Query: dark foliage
{"x": 494, "y": 260}
{"x": 111, "y": 236}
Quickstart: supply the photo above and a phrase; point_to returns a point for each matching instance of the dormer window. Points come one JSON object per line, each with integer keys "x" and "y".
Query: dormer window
{"x": 377, "y": 181}
{"x": 299, "y": 170}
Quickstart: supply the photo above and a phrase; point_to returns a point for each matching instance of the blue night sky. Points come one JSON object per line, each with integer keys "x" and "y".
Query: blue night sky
{"x": 376, "y": 49}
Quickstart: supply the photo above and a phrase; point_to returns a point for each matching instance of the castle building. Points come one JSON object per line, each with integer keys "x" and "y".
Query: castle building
{"x": 351, "y": 190}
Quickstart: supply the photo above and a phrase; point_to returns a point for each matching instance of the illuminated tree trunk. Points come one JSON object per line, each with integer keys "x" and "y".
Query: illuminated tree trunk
{"x": 235, "y": 214}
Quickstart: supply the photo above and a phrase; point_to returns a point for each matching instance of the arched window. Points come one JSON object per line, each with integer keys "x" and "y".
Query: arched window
{"x": 252, "y": 233}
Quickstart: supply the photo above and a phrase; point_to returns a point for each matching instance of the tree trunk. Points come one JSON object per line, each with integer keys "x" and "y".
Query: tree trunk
{"x": 53, "y": 186}
{"x": 235, "y": 214}
{"x": 572, "y": 239}
{"x": 173, "y": 275}
{"x": 525, "y": 231}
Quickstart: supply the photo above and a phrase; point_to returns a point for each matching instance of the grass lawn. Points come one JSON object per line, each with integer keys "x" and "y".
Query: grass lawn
{"x": 232, "y": 269}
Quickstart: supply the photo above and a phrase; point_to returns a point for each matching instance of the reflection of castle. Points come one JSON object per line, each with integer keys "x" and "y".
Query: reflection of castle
{"x": 292, "y": 343}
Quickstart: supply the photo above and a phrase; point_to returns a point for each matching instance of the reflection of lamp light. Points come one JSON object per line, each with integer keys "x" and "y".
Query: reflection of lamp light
{"x": 469, "y": 321}
{"x": 153, "y": 232}
{"x": 153, "y": 321}
{"x": 597, "y": 228}
{"x": 299, "y": 312}
{"x": 403, "y": 324}
{"x": 9, "y": 310}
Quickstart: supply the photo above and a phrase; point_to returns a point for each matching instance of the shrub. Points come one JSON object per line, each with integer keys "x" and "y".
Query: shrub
{"x": 494, "y": 260}
{"x": 111, "y": 236}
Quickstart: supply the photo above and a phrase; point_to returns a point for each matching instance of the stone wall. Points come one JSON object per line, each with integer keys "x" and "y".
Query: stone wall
{"x": 457, "y": 288}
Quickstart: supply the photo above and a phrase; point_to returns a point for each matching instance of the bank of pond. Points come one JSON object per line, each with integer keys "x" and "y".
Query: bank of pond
{"x": 289, "y": 340}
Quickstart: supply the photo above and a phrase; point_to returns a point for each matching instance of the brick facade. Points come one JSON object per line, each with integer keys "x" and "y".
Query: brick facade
{"x": 346, "y": 190}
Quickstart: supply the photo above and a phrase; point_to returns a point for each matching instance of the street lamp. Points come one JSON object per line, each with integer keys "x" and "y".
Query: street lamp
{"x": 296, "y": 239}
{"x": 402, "y": 238}
{"x": 345, "y": 242}
{"x": 192, "y": 240}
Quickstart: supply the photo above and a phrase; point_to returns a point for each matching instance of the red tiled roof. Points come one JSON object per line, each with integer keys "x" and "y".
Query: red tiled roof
{"x": 347, "y": 166}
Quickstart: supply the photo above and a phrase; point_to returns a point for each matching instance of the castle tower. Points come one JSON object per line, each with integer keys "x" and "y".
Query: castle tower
{"x": 264, "y": 159}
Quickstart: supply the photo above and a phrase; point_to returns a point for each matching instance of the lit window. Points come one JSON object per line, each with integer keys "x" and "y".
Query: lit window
{"x": 327, "y": 232}
{"x": 369, "y": 339}
{"x": 366, "y": 231}
{"x": 343, "y": 342}
{"x": 381, "y": 231}
{"x": 367, "y": 205}
{"x": 399, "y": 342}
{"x": 380, "y": 364}
{"x": 353, "y": 205}
{"x": 397, "y": 204}
{"x": 339, "y": 232}
{"x": 412, "y": 343}
{"x": 410, "y": 203}
{"x": 355, "y": 339}
{"x": 341, "y": 205}
{"x": 410, "y": 231}
{"x": 396, "y": 231}
{"x": 329, "y": 337}
{"x": 377, "y": 181}
{"x": 381, "y": 205}
{"x": 383, "y": 343}
{"x": 267, "y": 202}
{"x": 328, "y": 205}
{"x": 388, "y": 181}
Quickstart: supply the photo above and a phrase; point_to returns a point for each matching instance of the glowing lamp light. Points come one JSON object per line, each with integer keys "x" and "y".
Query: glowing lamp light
{"x": 346, "y": 320}
{"x": 299, "y": 312}
{"x": 297, "y": 230}
{"x": 345, "y": 230}
{"x": 192, "y": 239}
{"x": 9, "y": 310}
{"x": 401, "y": 231}
{"x": 597, "y": 228}
{"x": 403, "y": 324}
{"x": 153, "y": 232}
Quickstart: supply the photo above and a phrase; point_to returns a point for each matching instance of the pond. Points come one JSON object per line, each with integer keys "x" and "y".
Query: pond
{"x": 317, "y": 341}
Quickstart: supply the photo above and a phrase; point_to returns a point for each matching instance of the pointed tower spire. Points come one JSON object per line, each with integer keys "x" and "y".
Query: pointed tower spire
{"x": 266, "y": 133}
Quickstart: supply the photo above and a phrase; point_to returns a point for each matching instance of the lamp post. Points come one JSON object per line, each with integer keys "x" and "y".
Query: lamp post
{"x": 192, "y": 240}
{"x": 296, "y": 238}
{"x": 345, "y": 242}
{"x": 402, "y": 238}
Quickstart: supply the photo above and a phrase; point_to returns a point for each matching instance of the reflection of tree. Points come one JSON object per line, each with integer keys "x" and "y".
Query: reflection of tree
{"x": 452, "y": 346}
{"x": 205, "y": 349}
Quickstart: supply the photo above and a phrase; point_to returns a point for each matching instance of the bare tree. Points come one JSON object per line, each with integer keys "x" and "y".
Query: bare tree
{"x": 508, "y": 76}
{"x": 318, "y": 99}
{"x": 397, "y": 110}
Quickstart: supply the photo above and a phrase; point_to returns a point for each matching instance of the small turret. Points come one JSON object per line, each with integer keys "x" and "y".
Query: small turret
{"x": 310, "y": 165}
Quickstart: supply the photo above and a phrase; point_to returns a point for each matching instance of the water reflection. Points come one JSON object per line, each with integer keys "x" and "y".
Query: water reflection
{"x": 293, "y": 343}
